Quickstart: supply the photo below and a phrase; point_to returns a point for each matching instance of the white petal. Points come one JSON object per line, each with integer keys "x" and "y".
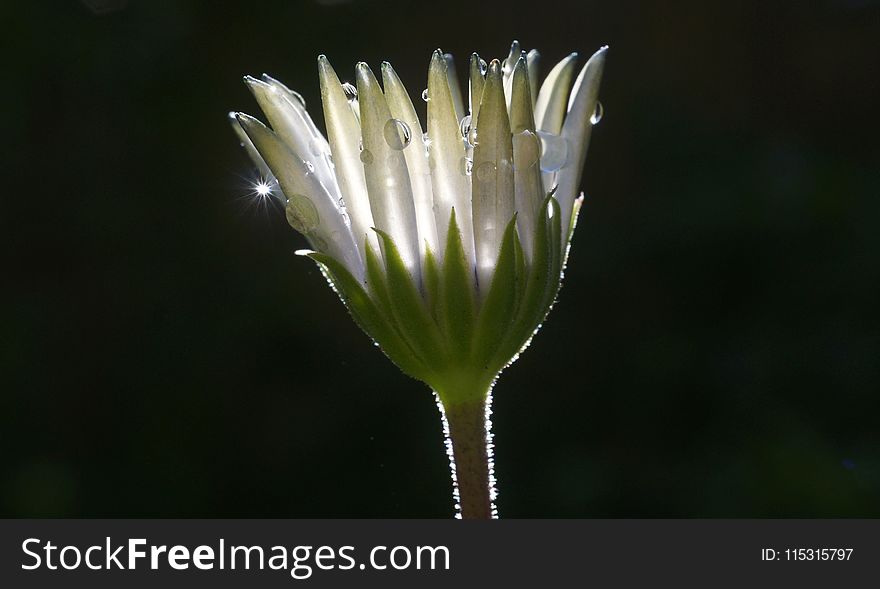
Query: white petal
{"x": 385, "y": 170}
{"x": 318, "y": 144}
{"x": 492, "y": 178}
{"x": 344, "y": 133}
{"x": 533, "y": 58}
{"x": 528, "y": 189}
{"x": 322, "y": 221}
{"x": 416, "y": 159}
{"x": 507, "y": 67}
{"x": 553, "y": 98}
{"x": 287, "y": 117}
{"x": 476, "y": 81}
{"x": 249, "y": 148}
{"x": 577, "y": 130}
{"x": 452, "y": 187}
{"x": 454, "y": 85}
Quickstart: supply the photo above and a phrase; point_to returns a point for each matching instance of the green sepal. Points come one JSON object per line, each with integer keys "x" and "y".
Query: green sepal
{"x": 369, "y": 317}
{"x": 456, "y": 309}
{"x": 376, "y": 278}
{"x": 497, "y": 313}
{"x": 432, "y": 283}
{"x": 541, "y": 284}
{"x": 408, "y": 307}
{"x": 520, "y": 271}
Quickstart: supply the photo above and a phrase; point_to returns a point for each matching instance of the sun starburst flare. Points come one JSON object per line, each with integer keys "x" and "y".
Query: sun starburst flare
{"x": 446, "y": 242}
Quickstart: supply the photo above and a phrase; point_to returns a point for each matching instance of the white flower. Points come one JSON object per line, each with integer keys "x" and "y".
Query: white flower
{"x": 445, "y": 242}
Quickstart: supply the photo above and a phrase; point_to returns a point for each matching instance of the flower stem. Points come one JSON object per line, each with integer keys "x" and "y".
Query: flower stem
{"x": 470, "y": 457}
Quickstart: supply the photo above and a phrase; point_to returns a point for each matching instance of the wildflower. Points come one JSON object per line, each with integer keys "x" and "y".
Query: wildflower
{"x": 446, "y": 242}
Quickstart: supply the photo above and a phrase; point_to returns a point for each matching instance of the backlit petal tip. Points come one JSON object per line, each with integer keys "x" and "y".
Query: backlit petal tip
{"x": 251, "y": 150}
{"x": 590, "y": 75}
{"x": 304, "y": 252}
{"x": 477, "y": 79}
{"x": 553, "y": 97}
{"x": 514, "y": 53}
{"x": 299, "y": 100}
{"x": 295, "y": 128}
{"x": 533, "y": 59}
{"x": 521, "y": 114}
{"x": 454, "y": 86}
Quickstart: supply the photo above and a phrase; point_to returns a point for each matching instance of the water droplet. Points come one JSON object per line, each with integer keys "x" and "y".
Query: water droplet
{"x": 310, "y": 167}
{"x": 360, "y": 144}
{"x": 465, "y": 126}
{"x": 554, "y": 151}
{"x": 467, "y": 164}
{"x": 367, "y": 156}
{"x": 598, "y": 112}
{"x": 486, "y": 171}
{"x": 425, "y": 95}
{"x": 484, "y": 67}
{"x": 397, "y": 134}
{"x": 341, "y": 202}
{"x": 351, "y": 92}
{"x": 301, "y": 214}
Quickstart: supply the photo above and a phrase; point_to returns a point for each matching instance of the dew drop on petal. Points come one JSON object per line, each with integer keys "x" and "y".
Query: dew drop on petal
{"x": 301, "y": 214}
{"x": 310, "y": 167}
{"x": 483, "y": 66}
{"x": 397, "y": 134}
{"x": 465, "y": 126}
{"x": 467, "y": 164}
{"x": 425, "y": 95}
{"x": 598, "y": 112}
{"x": 554, "y": 151}
{"x": 486, "y": 171}
{"x": 367, "y": 156}
{"x": 351, "y": 92}
{"x": 319, "y": 243}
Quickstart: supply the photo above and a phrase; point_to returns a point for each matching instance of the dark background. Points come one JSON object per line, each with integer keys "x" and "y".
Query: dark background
{"x": 715, "y": 350}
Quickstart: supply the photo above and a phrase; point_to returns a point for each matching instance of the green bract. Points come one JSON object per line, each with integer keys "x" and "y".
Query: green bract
{"x": 446, "y": 246}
